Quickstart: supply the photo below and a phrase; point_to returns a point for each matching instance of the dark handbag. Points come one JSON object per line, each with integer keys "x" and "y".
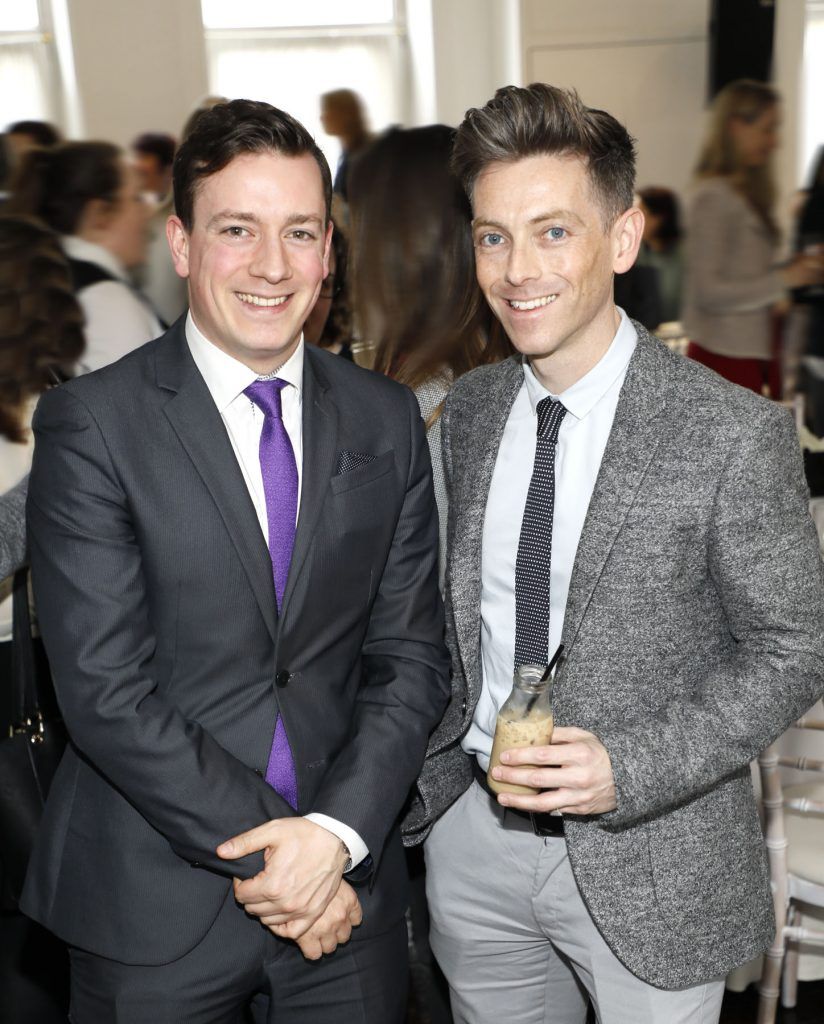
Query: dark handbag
{"x": 30, "y": 754}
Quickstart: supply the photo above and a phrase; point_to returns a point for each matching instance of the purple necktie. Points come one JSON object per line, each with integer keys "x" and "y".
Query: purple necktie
{"x": 280, "y": 487}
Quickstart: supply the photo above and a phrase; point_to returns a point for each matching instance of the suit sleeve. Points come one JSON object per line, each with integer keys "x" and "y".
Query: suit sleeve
{"x": 764, "y": 561}
{"x": 94, "y": 615}
{"x": 13, "y": 529}
{"x": 405, "y": 668}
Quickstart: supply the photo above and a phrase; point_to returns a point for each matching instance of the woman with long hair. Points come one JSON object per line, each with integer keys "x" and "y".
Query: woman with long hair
{"x": 89, "y": 195}
{"x": 733, "y": 285}
{"x": 414, "y": 292}
{"x": 41, "y": 338}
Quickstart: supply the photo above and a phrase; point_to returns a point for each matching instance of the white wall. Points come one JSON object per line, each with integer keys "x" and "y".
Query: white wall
{"x": 645, "y": 61}
{"x": 140, "y": 65}
{"x": 476, "y": 50}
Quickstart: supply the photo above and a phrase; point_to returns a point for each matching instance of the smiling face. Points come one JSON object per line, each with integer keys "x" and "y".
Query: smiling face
{"x": 545, "y": 262}
{"x": 256, "y": 255}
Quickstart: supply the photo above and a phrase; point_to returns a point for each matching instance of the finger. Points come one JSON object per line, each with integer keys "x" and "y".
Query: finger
{"x": 569, "y": 734}
{"x": 540, "y": 778}
{"x": 249, "y": 842}
{"x": 356, "y": 915}
{"x": 311, "y": 948}
{"x": 568, "y": 752}
{"x": 540, "y": 803}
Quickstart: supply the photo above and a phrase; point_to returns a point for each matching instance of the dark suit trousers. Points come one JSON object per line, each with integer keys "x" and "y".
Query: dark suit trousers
{"x": 240, "y": 968}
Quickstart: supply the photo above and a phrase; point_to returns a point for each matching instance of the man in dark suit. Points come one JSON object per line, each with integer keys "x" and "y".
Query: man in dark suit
{"x": 612, "y": 496}
{"x": 233, "y": 544}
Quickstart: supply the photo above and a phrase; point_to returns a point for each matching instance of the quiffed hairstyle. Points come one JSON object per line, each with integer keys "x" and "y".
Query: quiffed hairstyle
{"x": 542, "y": 120}
{"x": 230, "y": 130}
{"x": 41, "y": 323}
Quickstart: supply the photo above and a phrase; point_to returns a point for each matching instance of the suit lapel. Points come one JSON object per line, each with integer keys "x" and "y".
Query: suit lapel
{"x": 477, "y": 453}
{"x": 197, "y": 423}
{"x": 320, "y": 436}
{"x": 631, "y": 447}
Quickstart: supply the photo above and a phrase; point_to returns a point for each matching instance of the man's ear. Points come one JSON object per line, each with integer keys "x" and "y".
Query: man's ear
{"x": 178, "y": 239}
{"x": 327, "y": 248}
{"x": 626, "y": 238}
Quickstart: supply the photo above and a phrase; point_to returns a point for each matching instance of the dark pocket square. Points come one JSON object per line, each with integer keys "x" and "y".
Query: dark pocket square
{"x": 347, "y": 461}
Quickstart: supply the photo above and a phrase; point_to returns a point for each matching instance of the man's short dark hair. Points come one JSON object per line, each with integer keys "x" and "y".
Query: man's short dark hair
{"x": 157, "y": 144}
{"x": 232, "y": 129}
{"x": 542, "y": 120}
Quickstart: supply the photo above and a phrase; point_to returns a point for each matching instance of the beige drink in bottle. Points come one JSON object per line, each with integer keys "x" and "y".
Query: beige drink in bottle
{"x": 525, "y": 720}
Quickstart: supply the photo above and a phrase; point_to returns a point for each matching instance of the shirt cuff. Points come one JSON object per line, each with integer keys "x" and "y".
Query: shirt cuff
{"x": 348, "y": 836}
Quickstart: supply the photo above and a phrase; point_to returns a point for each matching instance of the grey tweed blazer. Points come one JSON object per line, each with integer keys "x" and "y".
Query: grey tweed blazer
{"x": 694, "y": 634}
{"x": 13, "y": 528}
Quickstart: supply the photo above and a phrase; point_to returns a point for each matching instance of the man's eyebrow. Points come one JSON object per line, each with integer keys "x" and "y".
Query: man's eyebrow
{"x": 248, "y": 218}
{"x": 252, "y": 218}
{"x": 303, "y": 218}
{"x": 539, "y": 218}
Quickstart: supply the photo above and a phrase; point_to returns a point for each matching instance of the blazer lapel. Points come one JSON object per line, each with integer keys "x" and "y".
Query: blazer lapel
{"x": 630, "y": 449}
{"x": 477, "y": 455}
{"x": 320, "y": 436}
{"x": 197, "y": 423}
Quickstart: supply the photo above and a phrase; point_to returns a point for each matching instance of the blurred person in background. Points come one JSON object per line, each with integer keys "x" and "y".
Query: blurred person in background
{"x": 41, "y": 337}
{"x": 342, "y": 116}
{"x": 153, "y": 154}
{"x": 329, "y": 324}
{"x": 414, "y": 292}
{"x": 734, "y": 290}
{"x": 661, "y": 246}
{"x": 23, "y": 136}
{"x": 89, "y": 194}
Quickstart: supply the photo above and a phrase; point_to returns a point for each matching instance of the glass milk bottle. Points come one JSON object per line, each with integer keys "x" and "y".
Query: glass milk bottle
{"x": 525, "y": 720}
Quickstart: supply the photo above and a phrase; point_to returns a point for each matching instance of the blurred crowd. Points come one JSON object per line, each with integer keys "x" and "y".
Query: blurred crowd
{"x": 86, "y": 273}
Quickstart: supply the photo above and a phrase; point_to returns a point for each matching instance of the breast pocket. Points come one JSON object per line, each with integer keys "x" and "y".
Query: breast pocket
{"x": 363, "y": 475}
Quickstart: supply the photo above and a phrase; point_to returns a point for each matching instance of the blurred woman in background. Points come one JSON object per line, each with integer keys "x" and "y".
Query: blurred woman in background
{"x": 734, "y": 289}
{"x": 413, "y": 284}
{"x": 87, "y": 193}
{"x": 41, "y": 338}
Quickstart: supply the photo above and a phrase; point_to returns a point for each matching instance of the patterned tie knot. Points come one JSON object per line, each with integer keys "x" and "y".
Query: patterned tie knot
{"x": 550, "y": 414}
{"x": 266, "y": 396}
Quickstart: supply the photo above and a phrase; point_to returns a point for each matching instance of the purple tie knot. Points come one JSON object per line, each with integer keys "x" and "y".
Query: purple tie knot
{"x": 266, "y": 396}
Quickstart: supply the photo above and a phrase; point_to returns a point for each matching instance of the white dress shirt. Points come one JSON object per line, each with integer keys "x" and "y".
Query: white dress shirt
{"x": 117, "y": 321}
{"x": 227, "y": 378}
{"x": 585, "y": 429}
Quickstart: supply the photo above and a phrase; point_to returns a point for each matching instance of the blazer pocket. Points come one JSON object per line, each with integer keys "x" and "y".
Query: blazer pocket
{"x": 373, "y": 470}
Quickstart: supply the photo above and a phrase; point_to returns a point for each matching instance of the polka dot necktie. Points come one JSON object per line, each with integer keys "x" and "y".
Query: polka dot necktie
{"x": 534, "y": 560}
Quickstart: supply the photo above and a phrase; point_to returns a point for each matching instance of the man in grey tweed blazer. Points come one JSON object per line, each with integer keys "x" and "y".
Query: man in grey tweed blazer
{"x": 686, "y": 586}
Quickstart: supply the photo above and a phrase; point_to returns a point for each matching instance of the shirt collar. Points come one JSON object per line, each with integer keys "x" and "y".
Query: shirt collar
{"x": 582, "y": 396}
{"x": 81, "y": 249}
{"x": 225, "y": 376}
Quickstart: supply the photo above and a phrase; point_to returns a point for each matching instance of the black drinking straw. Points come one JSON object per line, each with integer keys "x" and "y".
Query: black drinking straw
{"x": 552, "y": 662}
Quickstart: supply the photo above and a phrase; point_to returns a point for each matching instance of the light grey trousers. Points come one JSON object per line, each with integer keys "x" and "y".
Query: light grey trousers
{"x": 514, "y": 937}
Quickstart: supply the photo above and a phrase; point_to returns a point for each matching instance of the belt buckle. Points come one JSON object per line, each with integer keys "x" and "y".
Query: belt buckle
{"x": 544, "y": 825}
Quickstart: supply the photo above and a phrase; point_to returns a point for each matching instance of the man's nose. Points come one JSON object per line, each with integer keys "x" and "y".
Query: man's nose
{"x": 523, "y": 264}
{"x": 271, "y": 260}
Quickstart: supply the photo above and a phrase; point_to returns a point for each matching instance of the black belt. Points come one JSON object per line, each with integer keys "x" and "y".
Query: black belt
{"x": 542, "y": 824}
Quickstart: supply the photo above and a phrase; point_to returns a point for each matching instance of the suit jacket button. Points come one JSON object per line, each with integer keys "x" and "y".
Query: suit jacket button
{"x": 463, "y": 707}
{"x": 282, "y": 678}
